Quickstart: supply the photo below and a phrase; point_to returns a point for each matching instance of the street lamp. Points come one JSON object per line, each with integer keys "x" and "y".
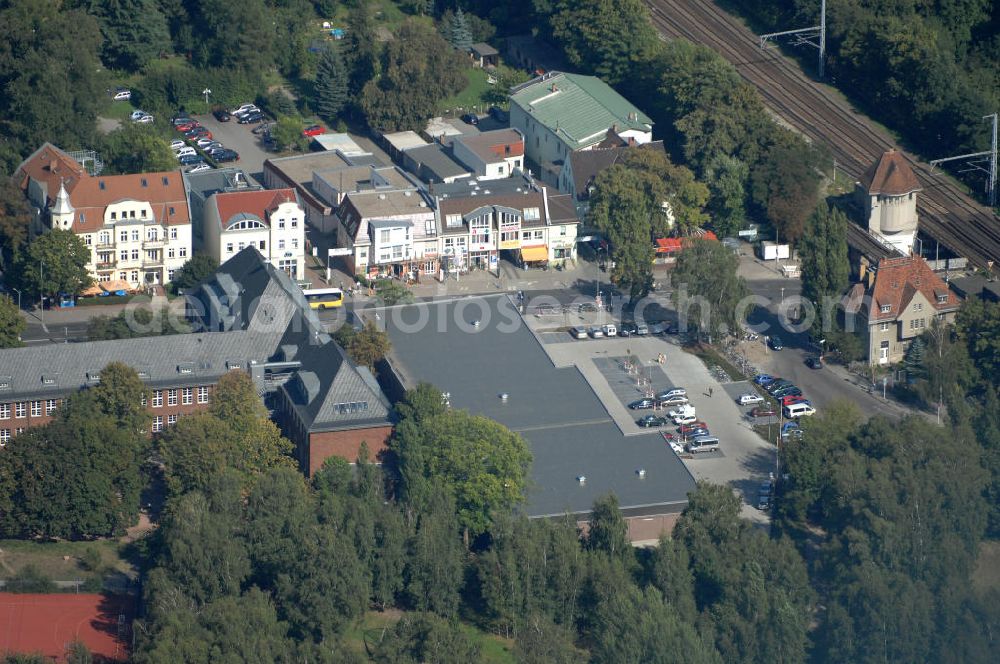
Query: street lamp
{"x": 18, "y": 297}
{"x": 206, "y": 92}
{"x": 41, "y": 295}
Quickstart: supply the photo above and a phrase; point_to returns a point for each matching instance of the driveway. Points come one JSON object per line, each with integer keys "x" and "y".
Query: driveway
{"x": 240, "y": 138}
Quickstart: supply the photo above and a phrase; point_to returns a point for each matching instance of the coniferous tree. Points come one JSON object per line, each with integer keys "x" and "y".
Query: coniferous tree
{"x": 331, "y": 84}
{"x": 461, "y": 34}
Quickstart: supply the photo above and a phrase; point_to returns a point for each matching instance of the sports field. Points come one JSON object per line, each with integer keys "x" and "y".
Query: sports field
{"x": 48, "y": 624}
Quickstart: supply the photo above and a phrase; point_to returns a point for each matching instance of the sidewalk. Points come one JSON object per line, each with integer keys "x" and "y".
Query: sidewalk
{"x": 61, "y": 316}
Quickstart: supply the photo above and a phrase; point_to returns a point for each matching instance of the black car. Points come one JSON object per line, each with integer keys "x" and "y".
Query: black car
{"x": 470, "y": 118}
{"x": 814, "y": 363}
{"x": 628, "y": 329}
{"x": 651, "y": 421}
{"x": 226, "y": 155}
{"x": 641, "y": 404}
{"x": 222, "y": 115}
{"x": 251, "y": 118}
{"x": 587, "y": 306}
{"x": 775, "y": 343}
{"x": 191, "y": 160}
{"x": 499, "y": 114}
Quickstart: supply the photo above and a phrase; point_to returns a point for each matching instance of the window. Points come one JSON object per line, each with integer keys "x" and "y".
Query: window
{"x": 187, "y": 396}
{"x": 171, "y": 211}
{"x": 229, "y": 247}
{"x": 886, "y": 308}
{"x": 20, "y": 410}
{"x": 123, "y": 236}
{"x": 429, "y": 227}
{"x": 157, "y": 398}
{"x": 453, "y": 220}
{"x": 114, "y": 215}
{"x": 531, "y": 214}
{"x": 562, "y": 230}
{"x": 152, "y": 235}
{"x": 143, "y": 400}
{"x": 918, "y": 306}
{"x": 172, "y": 397}
{"x": 36, "y": 408}
{"x": 397, "y": 252}
{"x": 526, "y": 235}
{"x": 152, "y": 255}
{"x": 263, "y": 244}
{"x": 884, "y": 327}
{"x": 142, "y": 213}
{"x": 104, "y": 238}
{"x": 135, "y": 231}
{"x": 173, "y": 233}
{"x": 539, "y": 235}
{"x": 135, "y": 254}
{"x": 281, "y": 224}
{"x": 182, "y": 252}
{"x": 171, "y": 252}
{"x": 295, "y": 223}
{"x": 4, "y": 411}
{"x": 52, "y": 404}
{"x": 942, "y": 298}
{"x": 203, "y": 394}
{"x": 19, "y": 430}
{"x": 171, "y": 419}
{"x": 170, "y": 275}
{"x": 124, "y": 255}
{"x": 157, "y": 423}
{"x": 281, "y": 244}
{"x": 4, "y": 437}
{"x": 135, "y": 277}
{"x": 383, "y": 236}
{"x": 143, "y": 182}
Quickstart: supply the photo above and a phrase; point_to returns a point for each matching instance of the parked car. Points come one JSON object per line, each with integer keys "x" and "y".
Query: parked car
{"x": 764, "y": 494}
{"x": 136, "y": 114}
{"x": 610, "y": 331}
{"x": 685, "y": 410}
{"x": 146, "y": 119}
{"x": 641, "y": 404}
{"x": 641, "y": 330}
{"x": 777, "y": 384}
{"x": 263, "y": 129}
{"x": 651, "y": 421}
{"x": 204, "y": 142}
{"x": 184, "y": 124}
{"x": 198, "y": 168}
{"x": 703, "y": 444}
{"x": 251, "y": 118}
{"x": 314, "y": 130}
{"x": 470, "y": 118}
{"x": 764, "y": 379}
{"x": 596, "y": 332}
{"x": 814, "y": 363}
{"x": 578, "y": 332}
{"x": 181, "y": 118}
{"x": 672, "y": 392}
{"x": 191, "y": 159}
{"x": 122, "y": 94}
{"x": 244, "y": 108}
{"x": 775, "y": 342}
{"x": 227, "y": 155}
{"x": 686, "y": 429}
{"x": 790, "y": 391}
{"x": 683, "y": 419}
{"x": 222, "y": 115}
{"x": 627, "y": 329}
{"x": 586, "y": 306}
{"x": 197, "y": 132}
{"x": 177, "y": 144}
{"x": 791, "y": 398}
{"x": 763, "y": 411}
{"x": 676, "y": 400}
{"x": 698, "y": 431}
{"x": 749, "y": 398}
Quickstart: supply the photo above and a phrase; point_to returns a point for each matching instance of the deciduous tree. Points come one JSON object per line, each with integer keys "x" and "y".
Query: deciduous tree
{"x": 134, "y": 31}
{"x": 823, "y": 250}
{"x": 55, "y": 262}
{"x": 197, "y": 268}
{"x": 708, "y": 289}
{"x": 12, "y": 323}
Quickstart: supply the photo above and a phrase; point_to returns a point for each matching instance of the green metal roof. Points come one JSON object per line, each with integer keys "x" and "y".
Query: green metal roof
{"x": 580, "y": 109}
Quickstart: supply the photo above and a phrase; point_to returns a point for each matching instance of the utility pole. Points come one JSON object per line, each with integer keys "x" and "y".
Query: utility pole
{"x": 814, "y": 36}
{"x": 985, "y": 162}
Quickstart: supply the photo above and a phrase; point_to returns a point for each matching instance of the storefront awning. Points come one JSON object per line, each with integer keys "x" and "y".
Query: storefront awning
{"x": 534, "y": 254}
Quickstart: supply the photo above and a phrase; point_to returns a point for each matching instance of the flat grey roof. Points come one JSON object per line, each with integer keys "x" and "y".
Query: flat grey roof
{"x": 566, "y": 426}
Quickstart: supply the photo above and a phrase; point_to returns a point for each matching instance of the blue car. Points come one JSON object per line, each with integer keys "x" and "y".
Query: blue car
{"x": 788, "y": 426}
{"x": 764, "y": 379}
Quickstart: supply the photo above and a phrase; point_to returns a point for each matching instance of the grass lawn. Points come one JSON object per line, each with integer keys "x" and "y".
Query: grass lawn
{"x": 60, "y": 561}
{"x": 986, "y": 576}
{"x": 471, "y": 96}
{"x": 493, "y": 649}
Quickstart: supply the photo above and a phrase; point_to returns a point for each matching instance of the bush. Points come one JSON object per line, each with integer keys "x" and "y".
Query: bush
{"x": 30, "y": 580}
{"x": 91, "y": 559}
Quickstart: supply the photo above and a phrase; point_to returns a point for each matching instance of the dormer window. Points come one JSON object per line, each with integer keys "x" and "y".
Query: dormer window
{"x": 886, "y": 308}
{"x": 93, "y": 377}
{"x": 144, "y": 182}
{"x": 185, "y": 368}
{"x": 50, "y": 379}
{"x": 5, "y": 382}
{"x": 101, "y": 185}
{"x": 114, "y": 215}
{"x": 942, "y": 298}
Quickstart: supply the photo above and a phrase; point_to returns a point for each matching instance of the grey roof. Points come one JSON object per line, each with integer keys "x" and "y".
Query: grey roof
{"x": 40, "y": 372}
{"x": 482, "y": 48}
{"x": 472, "y": 186}
{"x": 554, "y": 409}
{"x": 433, "y": 164}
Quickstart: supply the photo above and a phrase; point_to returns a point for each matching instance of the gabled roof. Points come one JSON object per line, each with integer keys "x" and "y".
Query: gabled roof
{"x": 578, "y": 109}
{"x": 897, "y": 281}
{"x": 48, "y": 166}
{"x": 890, "y": 176}
{"x": 259, "y": 203}
{"x": 493, "y": 146}
{"x": 586, "y": 165}
{"x": 163, "y": 190}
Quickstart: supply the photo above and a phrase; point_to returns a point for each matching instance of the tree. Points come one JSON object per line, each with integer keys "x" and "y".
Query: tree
{"x": 78, "y": 653}
{"x": 121, "y": 395}
{"x": 914, "y": 359}
{"x": 479, "y": 462}
{"x": 12, "y": 323}
{"x": 135, "y": 148}
{"x": 541, "y": 641}
{"x": 136, "y": 322}
{"x": 197, "y": 268}
{"x": 134, "y": 31}
{"x": 434, "y": 563}
{"x": 56, "y": 262}
{"x": 367, "y": 346}
{"x": 362, "y": 49}
{"x": 604, "y": 37}
{"x": 460, "y": 36}
{"x": 418, "y": 69}
{"x": 706, "y": 278}
{"x": 608, "y": 531}
{"x": 727, "y": 178}
{"x": 194, "y": 451}
{"x": 331, "y": 83}
{"x": 825, "y": 265}
{"x": 392, "y": 293}
{"x": 237, "y": 36}
{"x": 424, "y": 637}
{"x": 15, "y": 217}
{"x": 978, "y": 325}
{"x": 287, "y": 134}
{"x": 785, "y": 184}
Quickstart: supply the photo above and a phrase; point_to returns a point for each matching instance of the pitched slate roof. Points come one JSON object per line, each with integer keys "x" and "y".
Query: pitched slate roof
{"x": 579, "y": 109}
{"x": 890, "y": 176}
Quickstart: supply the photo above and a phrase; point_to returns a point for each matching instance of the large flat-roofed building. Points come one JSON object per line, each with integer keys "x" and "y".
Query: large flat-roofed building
{"x": 476, "y": 350}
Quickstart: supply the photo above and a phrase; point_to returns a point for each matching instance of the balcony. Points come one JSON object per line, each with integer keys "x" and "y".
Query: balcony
{"x": 105, "y": 246}
{"x": 152, "y": 263}
{"x": 102, "y": 266}
{"x": 158, "y": 243}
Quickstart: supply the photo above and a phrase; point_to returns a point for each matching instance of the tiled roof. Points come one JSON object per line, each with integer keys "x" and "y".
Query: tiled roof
{"x": 467, "y": 204}
{"x": 579, "y": 109}
{"x": 890, "y": 176}
{"x": 561, "y": 209}
{"x": 586, "y": 165}
{"x": 163, "y": 190}
{"x": 48, "y": 165}
{"x": 258, "y": 203}
{"x": 491, "y": 146}
{"x": 897, "y": 280}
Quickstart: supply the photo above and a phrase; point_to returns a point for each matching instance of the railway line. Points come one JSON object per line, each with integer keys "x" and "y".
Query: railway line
{"x": 946, "y": 213}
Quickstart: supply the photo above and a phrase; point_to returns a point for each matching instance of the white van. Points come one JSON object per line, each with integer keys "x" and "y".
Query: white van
{"x": 186, "y": 151}
{"x": 610, "y": 331}
{"x": 798, "y": 410}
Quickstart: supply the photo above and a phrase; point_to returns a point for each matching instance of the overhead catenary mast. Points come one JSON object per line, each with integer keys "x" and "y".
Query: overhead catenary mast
{"x": 814, "y": 36}
{"x": 985, "y": 161}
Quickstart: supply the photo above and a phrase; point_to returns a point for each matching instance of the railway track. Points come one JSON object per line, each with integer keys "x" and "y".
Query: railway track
{"x": 946, "y": 213}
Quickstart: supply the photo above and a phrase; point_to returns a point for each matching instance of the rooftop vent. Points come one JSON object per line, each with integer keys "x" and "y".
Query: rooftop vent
{"x": 407, "y": 193}
{"x": 423, "y": 203}
{"x": 641, "y": 472}
{"x": 475, "y": 323}
{"x": 581, "y": 479}
{"x": 504, "y": 397}
{"x": 381, "y": 197}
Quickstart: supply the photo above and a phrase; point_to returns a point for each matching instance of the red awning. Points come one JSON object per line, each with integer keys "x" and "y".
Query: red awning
{"x": 668, "y": 245}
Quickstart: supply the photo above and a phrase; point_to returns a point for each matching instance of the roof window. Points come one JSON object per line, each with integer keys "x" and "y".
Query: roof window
{"x": 144, "y": 182}
{"x": 93, "y": 377}
{"x": 50, "y": 379}
{"x": 5, "y": 382}
{"x": 233, "y": 364}
{"x": 166, "y": 180}
{"x": 350, "y": 407}
{"x": 185, "y": 368}
{"x": 886, "y": 308}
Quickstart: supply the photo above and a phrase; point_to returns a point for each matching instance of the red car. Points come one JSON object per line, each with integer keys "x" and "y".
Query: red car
{"x": 314, "y": 130}
{"x": 789, "y": 400}
{"x": 688, "y": 428}
{"x": 187, "y": 126}
{"x": 763, "y": 411}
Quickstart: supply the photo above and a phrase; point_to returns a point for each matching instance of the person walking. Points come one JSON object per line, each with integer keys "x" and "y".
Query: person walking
{"x": 710, "y": 391}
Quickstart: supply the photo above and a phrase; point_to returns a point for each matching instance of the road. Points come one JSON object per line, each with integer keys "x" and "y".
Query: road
{"x": 818, "y": 112}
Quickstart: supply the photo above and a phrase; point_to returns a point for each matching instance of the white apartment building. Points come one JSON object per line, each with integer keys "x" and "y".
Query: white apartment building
{"x": 491, "y": 155}
{"x": 271, "y": 220}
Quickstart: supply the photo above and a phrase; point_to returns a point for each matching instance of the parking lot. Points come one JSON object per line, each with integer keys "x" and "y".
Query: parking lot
{"x": 240, "y": 138}
{"x": 745, "y": 458}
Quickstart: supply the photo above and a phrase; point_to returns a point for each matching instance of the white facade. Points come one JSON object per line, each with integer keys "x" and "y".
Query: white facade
{"x": 276, "y": 229}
